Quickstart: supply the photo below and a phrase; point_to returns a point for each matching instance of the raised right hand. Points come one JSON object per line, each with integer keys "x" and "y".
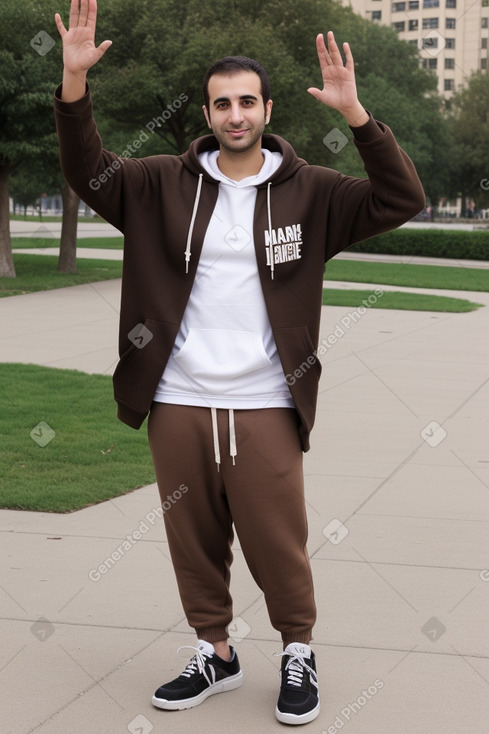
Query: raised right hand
{"x": 79, "y": 50}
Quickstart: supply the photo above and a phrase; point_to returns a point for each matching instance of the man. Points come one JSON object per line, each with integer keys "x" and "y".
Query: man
{"x": 221, "y": 299}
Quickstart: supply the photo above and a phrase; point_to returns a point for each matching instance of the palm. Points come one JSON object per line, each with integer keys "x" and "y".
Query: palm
{"x": 79, "y": 50}
{"x": 339, "y": 86}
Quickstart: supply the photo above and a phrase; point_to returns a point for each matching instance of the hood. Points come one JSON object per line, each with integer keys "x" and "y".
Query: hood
{"x": 289, "y": 166}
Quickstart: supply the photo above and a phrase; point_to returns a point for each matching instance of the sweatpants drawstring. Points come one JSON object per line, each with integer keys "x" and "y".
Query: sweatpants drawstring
{"x": 233, "y": 451}
{"x": 215, "y": 434}
{"x": 232, "y": 436}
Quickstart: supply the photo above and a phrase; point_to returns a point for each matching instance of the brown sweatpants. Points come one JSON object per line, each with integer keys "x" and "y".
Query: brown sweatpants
{"x": 262, "y": 494}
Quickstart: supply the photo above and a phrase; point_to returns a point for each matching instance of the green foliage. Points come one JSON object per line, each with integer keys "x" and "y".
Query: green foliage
{"x": 27, "y": 81}
{"x": 429, "y": 243}
{"x": 469, "y": 124}
{"x": 164, "y": 51}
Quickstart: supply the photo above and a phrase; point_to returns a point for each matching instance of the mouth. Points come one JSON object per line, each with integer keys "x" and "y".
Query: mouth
{"x": 237, "y": 133}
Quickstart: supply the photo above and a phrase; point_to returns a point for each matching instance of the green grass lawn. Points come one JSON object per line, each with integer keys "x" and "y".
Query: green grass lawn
{"x": 416, "y": 276}
{"x": 38, "y": 273}
{"x": 398, "y": 300}
{"x": 81, "y": 454}
{"x": 43, "y": 243}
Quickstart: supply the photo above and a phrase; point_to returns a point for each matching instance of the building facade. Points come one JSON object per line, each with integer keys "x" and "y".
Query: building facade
{"x": 451, "y": 35}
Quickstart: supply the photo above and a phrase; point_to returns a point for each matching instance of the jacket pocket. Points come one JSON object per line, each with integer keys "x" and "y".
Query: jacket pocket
{"x": 141, "y": 365}
{"x": 213, "y": 355}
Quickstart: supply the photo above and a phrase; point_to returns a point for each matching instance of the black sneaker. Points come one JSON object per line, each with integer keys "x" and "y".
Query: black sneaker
{"x": 298, "y": 702}
{"x": 205, "y": 674}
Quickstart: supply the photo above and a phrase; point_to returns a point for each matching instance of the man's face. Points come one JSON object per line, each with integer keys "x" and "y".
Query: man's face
{"x": 236, "y": 114}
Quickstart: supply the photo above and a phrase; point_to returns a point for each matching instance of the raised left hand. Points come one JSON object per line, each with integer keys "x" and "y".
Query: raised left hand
{"x": 339, "y": 86}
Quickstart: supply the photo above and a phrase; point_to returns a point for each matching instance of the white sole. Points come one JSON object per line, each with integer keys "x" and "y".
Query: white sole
{"x": 228, "y": 684}
{"x": 296, "y": 720}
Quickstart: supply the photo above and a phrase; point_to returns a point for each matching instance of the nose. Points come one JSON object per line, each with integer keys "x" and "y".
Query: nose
{"x": 236, "y": 113}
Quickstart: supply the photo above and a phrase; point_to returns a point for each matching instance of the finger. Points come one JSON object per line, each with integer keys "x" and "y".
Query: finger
{"x": 322, "y": 50}
{"x": 60, "y": 25}
{"x": 92, "y": 13}
{"x": 348, "y": 56}
{"x": 316, "y": 93}
{"x": 323, "y": 55}
{"x": 103, "y": 48}
{"x": 333, "y": 49}
{"x": 74, "y": 13}
{"x": 82, "y": 19}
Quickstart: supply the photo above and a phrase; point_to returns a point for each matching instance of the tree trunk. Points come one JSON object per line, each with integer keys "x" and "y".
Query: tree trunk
{"x": 67, "y": 245}
{"x": 7, "y": 269}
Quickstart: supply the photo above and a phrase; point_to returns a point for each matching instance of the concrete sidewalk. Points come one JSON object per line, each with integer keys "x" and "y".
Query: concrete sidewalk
{"x": 397, "y": 491}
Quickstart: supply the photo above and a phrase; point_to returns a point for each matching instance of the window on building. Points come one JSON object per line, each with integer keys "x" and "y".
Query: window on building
{"x": 429, "y": 63}
{"x": 413, "y": 42}
{"x": 399, "y": 27}
{"x": 398, "y": 7}
{"x": 484, "y": 43}
{"x": 449, "y": 43}
{"x": 413, "y": 4}
{"x": 431, "y": 3}
{"x": 449, "y": 63}
{"x": 413, "y": 25}
{"x": 485, "y": 3}
{"x": 449, "y": 85}
{"x": 483, "y": 64}
{"x": 451, "y": 3}
{"x": 484, "y": 23}
{"x": 450, "y": 23}
{"x": 376, "y": 14}
{"x": 430, "y": 22}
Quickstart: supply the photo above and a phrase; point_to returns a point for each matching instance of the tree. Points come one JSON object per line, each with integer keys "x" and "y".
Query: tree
{"x": 25, "y": 189}
{"x": 469, "y": 122}
{"x": 158, "y": 59}
{"x": 30, "y": 63}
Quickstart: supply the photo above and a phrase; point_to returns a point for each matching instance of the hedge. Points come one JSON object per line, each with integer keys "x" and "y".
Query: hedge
{"x": 448, "y": 243}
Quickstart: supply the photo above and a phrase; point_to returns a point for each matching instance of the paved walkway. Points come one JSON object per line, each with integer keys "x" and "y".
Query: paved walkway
{"x": 397, "y": 491}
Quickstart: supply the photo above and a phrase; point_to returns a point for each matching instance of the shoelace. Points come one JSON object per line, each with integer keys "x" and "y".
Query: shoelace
{"x": 295, "y": 668}
{"x": 197, "y": 663}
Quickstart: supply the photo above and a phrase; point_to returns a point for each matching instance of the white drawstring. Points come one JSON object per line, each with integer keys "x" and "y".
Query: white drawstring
{"x": 192, "y": 221}
{"x": 233, "y": 451}
{"x": 269, "y": 210}
{"x": 215, "y": 435}
{"x": 232, "y": 436}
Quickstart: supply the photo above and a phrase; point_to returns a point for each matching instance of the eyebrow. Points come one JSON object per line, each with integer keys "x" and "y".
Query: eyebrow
{"x": 226, "y": 99}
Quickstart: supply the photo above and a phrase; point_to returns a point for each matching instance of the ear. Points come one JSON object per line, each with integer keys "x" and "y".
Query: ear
{"x": 268, "y": 111}
{"x": 206, "y": 115}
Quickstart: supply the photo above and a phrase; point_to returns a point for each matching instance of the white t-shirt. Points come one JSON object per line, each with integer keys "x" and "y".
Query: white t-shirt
{"x": 225, "y": 355}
